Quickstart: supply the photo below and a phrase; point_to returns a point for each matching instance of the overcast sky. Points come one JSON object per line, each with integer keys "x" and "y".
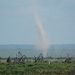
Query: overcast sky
{"x": 18, "y": 26}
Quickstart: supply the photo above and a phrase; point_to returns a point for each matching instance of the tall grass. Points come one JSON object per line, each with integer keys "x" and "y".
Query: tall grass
{"x": 37, "y": 69}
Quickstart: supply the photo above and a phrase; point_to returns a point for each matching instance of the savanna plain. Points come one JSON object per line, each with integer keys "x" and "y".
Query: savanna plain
{"x": 37, "y": 68}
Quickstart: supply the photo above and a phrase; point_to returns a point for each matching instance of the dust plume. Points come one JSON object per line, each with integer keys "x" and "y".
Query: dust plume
{"x": 43, "y": 44}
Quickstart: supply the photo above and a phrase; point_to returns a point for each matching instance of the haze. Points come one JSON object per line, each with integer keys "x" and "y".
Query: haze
{"x": 18, "y": 26}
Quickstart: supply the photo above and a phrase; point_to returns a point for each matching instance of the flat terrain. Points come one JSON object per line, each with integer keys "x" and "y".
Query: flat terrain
{"x": 39, "y": 68}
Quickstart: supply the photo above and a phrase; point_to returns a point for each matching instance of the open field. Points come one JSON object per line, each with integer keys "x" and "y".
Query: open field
{"x": 39, "y": 68}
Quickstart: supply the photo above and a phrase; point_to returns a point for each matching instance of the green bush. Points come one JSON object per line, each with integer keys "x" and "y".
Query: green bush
{"x": 37, "y": 69}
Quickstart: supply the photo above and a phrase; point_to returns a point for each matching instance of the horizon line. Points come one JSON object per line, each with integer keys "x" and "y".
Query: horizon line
{"x": 33, "y": 44}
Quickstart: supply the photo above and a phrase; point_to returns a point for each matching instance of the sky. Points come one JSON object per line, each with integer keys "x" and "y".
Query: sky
{"x": 18, "y": 25}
